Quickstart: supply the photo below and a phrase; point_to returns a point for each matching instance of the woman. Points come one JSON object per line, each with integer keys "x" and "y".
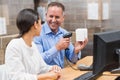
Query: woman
{"x": 22, "y": 58}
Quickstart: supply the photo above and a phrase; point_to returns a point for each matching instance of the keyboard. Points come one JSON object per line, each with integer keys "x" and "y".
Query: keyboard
{"x": 86, "y": 76}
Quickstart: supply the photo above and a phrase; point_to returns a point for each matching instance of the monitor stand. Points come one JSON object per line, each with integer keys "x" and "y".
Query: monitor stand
{"x": 117, "y": 70}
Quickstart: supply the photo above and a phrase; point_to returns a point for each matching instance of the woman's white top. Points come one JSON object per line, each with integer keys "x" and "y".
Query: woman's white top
{"x": 24, "y": 62}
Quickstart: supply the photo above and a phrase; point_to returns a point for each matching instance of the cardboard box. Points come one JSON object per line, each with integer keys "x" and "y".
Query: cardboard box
{"x": 2, "y": 56}
{"x": 4, "y": 40}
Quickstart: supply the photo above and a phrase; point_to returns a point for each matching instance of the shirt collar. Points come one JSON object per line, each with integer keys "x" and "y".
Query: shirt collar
{"x": 48, "y": 30}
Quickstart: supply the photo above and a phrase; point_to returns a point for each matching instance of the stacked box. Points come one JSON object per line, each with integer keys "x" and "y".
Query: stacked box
{"x": 73, "y": 38}
{"x": 1, "y": 56}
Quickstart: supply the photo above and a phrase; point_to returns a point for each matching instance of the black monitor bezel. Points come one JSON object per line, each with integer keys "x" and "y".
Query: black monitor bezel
{"x": 100, "y": 64}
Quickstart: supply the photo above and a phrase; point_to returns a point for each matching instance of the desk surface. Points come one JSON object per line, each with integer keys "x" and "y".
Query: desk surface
{"x": 70, "y": 74}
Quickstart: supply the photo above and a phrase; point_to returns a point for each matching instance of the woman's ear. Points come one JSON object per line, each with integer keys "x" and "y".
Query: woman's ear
{"x": 35, "y": 25}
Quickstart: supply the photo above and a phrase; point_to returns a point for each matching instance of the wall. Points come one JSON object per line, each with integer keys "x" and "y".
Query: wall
{"x": 11, "y": 10}
{"x": 76, "y": 14}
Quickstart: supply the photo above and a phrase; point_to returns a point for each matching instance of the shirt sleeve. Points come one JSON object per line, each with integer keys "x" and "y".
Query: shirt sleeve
{"x": 47, "y": 55}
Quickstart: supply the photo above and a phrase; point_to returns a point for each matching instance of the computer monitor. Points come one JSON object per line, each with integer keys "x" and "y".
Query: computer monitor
{"x": 105, "y": 58}
{"x": 104, "y": 51}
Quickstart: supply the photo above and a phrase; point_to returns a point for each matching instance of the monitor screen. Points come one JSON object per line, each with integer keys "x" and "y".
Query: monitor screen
{"x": 104, "y": 54}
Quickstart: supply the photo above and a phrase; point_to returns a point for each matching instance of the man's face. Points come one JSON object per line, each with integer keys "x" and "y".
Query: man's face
{"x": 54, "y": 17}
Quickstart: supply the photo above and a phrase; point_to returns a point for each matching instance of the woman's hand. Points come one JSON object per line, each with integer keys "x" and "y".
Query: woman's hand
{"x": 56, "y": 68}
{"x": 49, "y": 76}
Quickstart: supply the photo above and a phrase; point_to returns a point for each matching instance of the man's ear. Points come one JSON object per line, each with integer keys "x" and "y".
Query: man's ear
{"x": 63, "y": 18}
{"x": 46, "y": 14}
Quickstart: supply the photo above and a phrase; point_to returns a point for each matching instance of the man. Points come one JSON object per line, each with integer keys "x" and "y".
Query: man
{"x": 51, "y": 43}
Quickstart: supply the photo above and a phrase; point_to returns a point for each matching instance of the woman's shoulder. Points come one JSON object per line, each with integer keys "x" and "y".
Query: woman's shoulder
{"x": 15, "y": 41}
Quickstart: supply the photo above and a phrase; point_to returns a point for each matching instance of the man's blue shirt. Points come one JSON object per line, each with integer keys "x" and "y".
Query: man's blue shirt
{"x": 46, "y": 45}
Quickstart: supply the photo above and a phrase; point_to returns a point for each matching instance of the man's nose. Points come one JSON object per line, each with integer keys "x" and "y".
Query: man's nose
{"x": 53, "y": 19}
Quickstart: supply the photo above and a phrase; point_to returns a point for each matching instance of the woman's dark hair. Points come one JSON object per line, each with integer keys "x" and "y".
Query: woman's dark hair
{"x": 25, "y": 20}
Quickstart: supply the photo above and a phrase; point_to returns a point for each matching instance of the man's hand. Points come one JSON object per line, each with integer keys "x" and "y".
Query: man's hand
{"x": 63, "y": 43}
{"x": 80, "y": 45}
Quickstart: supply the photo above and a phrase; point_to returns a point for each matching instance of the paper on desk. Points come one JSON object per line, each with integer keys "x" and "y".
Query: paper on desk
{"x": 81, "y": 34}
